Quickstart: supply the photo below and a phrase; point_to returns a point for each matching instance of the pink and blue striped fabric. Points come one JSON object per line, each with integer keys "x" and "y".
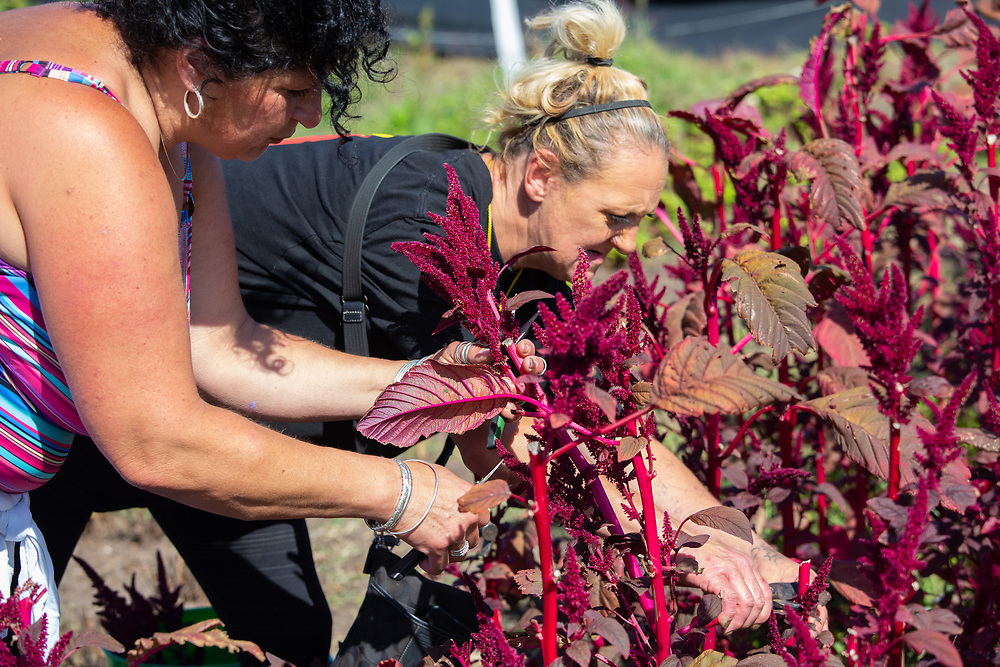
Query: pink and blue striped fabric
{"x": 37, "y": 417}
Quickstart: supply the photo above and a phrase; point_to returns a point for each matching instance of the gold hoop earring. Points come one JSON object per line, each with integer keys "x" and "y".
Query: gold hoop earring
{"x": 187, "y": 106}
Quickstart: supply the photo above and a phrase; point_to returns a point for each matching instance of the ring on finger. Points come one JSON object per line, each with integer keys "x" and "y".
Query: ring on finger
{"x": 461, "y": 551}
{"x": 462, "y": 352}
{"x": 545, "y": 366}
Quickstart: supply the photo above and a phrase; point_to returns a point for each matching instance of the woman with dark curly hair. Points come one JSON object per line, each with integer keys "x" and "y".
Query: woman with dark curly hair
{"x": 120, "y": 311}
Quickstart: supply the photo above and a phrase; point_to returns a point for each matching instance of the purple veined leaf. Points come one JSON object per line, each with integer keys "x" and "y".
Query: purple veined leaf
{"x": 825, "y": 281}
{"x": 605, "y": 401}
{"x": 96, "y": 638}
{"x": 926, "y": 189}
{"x": 434, "y": 398}
{"x": 936, "y": 618}
{"x": 686, "y": 187}
{"x": 686, "y": 317}
{"x": 772, "y": 297}
{"x": 580, "y": 652}
{"x": 748, "y": 164}
{"x": 529, "y": 581}
{"x": 686, "y": 565}
{"x": 835, "y": 379}
{"x": 859, "y": 427}
{"x": 851, "y": 582}
{"x": 524, "y": 297}
{"x": 727, "y": 519}
{"x": 527, "y": 251}
{"x": 697, "y": 378}
{"x": 834, "y": 494}
{"x": 838, "y": 189}
{"x": 449, "y": 319}
{"x": 641, "y": 393}
{"x": 753, "y": 86}
{"x": 685, "y": 541}
{"x": 936, "y": 644}
{"x": 611, "y": 630}
{"x": 709, "y": 608}
{"x": 203, "y": 633}
{"x": 813, "y": 82}
{"x": 956, "y": 30}
{"x": 741, "y": 227}
{"x": 836, "y": 336}
{"x": 762, "y": 660}
{"x": 484, "y": 496}
{"x": 933, "y": 386}
{"x": 979, "y": 438}
{"x": 713, "y": 658}
{"x": 630, "y": 447}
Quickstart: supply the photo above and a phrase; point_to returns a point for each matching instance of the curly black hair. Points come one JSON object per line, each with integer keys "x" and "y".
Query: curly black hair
{"x": 335, "y": 40}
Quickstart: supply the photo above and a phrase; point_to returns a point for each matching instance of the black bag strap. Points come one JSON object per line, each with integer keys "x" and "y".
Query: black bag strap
{"x": 354, "y": 310}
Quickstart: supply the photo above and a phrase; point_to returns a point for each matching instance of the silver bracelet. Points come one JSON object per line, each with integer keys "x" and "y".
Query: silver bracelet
{"x": 404, "y": 501}
{"x": 405, "y": 368}
{"x": 429, "y": 505}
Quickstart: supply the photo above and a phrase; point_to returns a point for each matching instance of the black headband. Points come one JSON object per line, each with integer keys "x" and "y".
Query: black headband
{"x": 599, "y": 62}
{"x": 600, "y": 108}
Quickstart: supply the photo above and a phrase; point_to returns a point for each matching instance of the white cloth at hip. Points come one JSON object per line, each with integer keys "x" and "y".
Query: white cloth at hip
{"x": 17, "y": 527}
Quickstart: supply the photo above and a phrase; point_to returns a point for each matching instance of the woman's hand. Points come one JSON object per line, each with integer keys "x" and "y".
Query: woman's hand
{"x": 731, "y": 574}
{"x": 444, "y": 528}
{"x": 465, "y": 353}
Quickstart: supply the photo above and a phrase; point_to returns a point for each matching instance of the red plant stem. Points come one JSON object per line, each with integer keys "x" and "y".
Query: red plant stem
{"x": 995, "y": 317}
{"x": 991, "y": 158}
{"x": 661, "y": 619}
{"x": 740, "y": 345}
{"x": 776, "y": 222}
{"x": 867, "y": 244}
{"x": 893, "y": 461}
{"x": 661, "y": 214}
{"x": 720, "y": 191}
{"x": 712, "y": 443}
{"x": 543, "y": 524}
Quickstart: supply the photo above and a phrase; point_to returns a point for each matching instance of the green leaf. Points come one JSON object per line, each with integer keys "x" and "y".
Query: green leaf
{"x": 697, "y": 379}
{"x": 771, "y": 297}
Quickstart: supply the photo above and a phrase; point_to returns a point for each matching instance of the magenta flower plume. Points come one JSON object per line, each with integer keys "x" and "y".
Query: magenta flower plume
{"x": 572, "y": 589}
{"x": 489, "y": 639}
{"x": 885, "y": 329}
{"x": 29, "y": 639}
{"x": 961, "y": 132}
{"x": 458, "y": 266}
{"x": 985, "y": 81}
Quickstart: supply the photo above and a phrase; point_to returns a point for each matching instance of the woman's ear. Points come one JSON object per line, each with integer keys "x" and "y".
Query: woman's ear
{"x": 541, "y": 169}
{"x": 191, "y": 66}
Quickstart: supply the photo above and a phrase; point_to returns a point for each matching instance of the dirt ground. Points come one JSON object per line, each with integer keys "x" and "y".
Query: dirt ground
{"x": 118, "y": 544}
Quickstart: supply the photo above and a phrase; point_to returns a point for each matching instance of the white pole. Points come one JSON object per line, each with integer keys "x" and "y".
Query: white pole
{"x": 507, "y": 34}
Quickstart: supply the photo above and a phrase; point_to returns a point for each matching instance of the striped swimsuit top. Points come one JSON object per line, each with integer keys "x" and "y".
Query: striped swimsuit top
{"x": 37, "y": 417}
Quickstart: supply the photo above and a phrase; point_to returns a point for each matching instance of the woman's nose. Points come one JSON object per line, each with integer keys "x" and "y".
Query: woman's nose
{"x": 309, "y": 110}
{"x": 624, "y": 241}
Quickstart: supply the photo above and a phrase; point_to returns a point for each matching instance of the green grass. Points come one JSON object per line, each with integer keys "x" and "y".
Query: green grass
{"x": 437, "y": 94}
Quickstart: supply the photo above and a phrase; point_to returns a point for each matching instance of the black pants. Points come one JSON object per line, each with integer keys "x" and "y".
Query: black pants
{"x": 258, "y": 575}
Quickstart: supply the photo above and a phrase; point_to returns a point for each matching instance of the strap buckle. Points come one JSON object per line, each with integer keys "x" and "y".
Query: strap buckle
{"x": 353, "y": 310}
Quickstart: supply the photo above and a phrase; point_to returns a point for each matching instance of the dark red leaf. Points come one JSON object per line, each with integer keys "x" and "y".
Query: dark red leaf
{"x": 484, "y": 496}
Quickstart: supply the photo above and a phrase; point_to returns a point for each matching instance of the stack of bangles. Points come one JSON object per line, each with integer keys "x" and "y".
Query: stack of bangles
{"x": 388, "y": 528}
{"x": 405, "y": 368}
